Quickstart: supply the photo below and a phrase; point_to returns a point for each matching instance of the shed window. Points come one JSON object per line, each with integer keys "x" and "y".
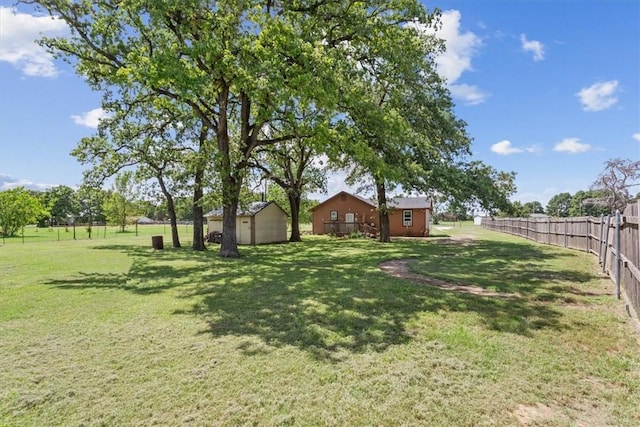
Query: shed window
{"x": 407, "y": 218}
{"x": 334, "y": 215}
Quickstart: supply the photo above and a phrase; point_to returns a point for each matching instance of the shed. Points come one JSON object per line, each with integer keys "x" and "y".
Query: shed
{"x": 259, "y": 222}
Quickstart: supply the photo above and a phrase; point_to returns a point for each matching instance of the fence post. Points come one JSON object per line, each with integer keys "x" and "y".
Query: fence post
{"x": 606, "y": 246}
{"x": 617, "y": 244}
{"x": 601, "y": 238}
{"x": 588, "y": 235}
{"x": 565, "y": 233}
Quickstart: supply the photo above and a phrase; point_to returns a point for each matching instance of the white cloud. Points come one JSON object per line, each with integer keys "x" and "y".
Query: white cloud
{"x": 460, "y": 49}
{"x": 90, "y": 118}
{"x": 18, "y": 32}
{"x": 534, "y": 46}
{"x": 599, "y": 96}
{"x": 572, "y": 145}
{"x": 471, "y": 95}
{"x": 505, "y": 148}
{"x": 8, "y": 183}
{"x": 533, "y": 149}
{"x": 636, "y": 136}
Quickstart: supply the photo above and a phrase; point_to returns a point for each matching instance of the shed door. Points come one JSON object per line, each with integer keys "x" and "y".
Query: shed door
{"x": 243, "y": 232}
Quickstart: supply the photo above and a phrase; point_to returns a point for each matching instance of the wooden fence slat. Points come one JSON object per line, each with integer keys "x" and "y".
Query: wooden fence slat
{"x": 635, "y": 271}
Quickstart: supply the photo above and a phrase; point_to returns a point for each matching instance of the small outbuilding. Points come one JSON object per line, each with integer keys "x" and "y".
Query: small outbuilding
{"x": 259, "y": 222}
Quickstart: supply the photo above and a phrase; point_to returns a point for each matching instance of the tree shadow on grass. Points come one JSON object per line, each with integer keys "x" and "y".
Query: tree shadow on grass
{"x": 150, "y": 272}
{"x": 329, "y": 297}
{"x": 328, "y": 300}
{"x": 505, "y": 267}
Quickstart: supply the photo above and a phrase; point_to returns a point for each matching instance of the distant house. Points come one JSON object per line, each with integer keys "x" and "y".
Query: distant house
{"x": 344, "y": 213}
{"x": 144, "y": 220}
{"x": 259, "y": 222}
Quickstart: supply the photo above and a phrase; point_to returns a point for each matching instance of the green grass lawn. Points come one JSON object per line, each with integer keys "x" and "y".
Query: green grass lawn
{"x": 111, "y": 332}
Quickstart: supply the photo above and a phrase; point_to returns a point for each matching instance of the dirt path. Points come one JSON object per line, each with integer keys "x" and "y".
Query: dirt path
{"x": 400, "y": 268}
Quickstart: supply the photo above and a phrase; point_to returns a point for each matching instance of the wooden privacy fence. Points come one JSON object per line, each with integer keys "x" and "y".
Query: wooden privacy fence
{"x": 615, "y": 239}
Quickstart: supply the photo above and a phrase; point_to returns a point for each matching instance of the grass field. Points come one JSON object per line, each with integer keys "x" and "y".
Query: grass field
{"x": 111, "y": 332}
{"x": 33, "y": 234}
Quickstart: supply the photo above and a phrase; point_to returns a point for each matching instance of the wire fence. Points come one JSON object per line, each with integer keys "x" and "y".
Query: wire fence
{"x": 33, "y": 234}
{"x": 614, "y": 239}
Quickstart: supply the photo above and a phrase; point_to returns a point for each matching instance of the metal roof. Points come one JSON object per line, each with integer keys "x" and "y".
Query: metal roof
{"x": 395, "y": 202}
{"x": 250, "y": 210}
{"x": 409, "y": 202}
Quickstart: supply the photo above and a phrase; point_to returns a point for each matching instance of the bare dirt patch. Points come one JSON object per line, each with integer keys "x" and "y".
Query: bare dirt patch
{"x": 581, "y": 414}
{"x": 457, "y": 239}
{"x": 400, "y": 268}
{"x": 462, "y": 237}
{"x": 538, "y": 414}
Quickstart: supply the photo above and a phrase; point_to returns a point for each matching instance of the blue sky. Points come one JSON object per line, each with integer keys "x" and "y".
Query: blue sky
{"x": 549, "y": 89}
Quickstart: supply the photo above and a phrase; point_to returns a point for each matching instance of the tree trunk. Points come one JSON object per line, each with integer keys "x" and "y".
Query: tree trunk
{"x": 123, "y": 220}
{"x": 171, "y": 207}
{"x": 173, "y": 220}
{"x": 294, "y": 204}
{"x": 198, "y": 234}
{"x": 230, "y": 185}
{"x": 383, "y": 210}
{"x": 230, "y": 198}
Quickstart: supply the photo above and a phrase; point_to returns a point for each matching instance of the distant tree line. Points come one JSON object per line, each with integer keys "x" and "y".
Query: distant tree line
{"x": 611, "y": 190}
{"x": 121, "y": 206}
{"x": 130, "y": 199}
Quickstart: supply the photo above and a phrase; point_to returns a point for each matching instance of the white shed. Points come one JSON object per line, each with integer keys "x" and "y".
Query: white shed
{"x": 259, "y": 222}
